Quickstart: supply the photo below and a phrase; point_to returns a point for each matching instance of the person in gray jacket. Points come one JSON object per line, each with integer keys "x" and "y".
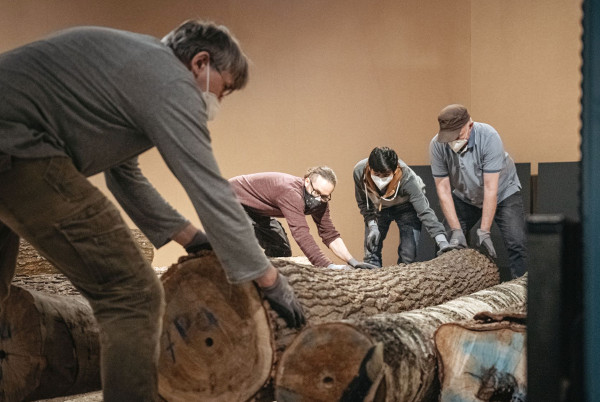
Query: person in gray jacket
{"x": 387, "y": 190}
{"x": 89, "y": 100}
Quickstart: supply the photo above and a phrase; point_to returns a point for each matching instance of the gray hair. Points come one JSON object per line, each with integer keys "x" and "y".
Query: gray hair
{"x": 194, "y": 36}
{"x": 325, "y": 172}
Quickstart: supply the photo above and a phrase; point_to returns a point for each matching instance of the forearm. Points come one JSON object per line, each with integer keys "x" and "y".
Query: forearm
{"x": 488, "y": 211}
{"x": 186, "y": 235}
{"x": 490, "y": 200}
{"x": 446, "y": 202}
{"x": 339, "y": 249}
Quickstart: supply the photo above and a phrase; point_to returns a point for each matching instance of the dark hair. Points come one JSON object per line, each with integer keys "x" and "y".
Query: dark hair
{"x": 194, "y": 36}
{"x": 383, "y": 159}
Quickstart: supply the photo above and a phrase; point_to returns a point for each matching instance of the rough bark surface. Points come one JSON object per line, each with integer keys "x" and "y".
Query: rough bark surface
{"x": 30, "y": 262}
{"x": 408, "y": 347}
{"x": 48, "y": 346}
{"x": 325, "y": 294}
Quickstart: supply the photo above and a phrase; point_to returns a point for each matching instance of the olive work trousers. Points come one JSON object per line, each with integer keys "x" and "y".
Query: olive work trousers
{"x": 71, "y": 223}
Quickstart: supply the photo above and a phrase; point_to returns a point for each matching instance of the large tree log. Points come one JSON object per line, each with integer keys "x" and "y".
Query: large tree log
{"x": 483, "y": 359}
{"x": 408, "y": 349}
{"x": 30, "y": 262}
{"x": 206, "y": 317}
{"x": 48, "y": 346}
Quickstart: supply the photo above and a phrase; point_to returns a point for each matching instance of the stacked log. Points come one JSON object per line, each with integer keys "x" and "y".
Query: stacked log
{"x": 48, "y": 346}
{"x": 30, "y": 262}
{"x": 409, "y": 372}
{"x": 206, "y": 317}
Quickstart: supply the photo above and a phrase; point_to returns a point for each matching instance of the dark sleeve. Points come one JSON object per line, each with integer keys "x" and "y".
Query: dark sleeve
{"x": 142, "y": 202}
{"x": 366, "y": 208}
{"x": 327, "y": 231}
{"x": 176, "y": 124}
{"x": 421, "y": 205}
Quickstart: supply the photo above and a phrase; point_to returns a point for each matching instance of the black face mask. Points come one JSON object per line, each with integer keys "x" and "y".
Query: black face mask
{"x": 311, "y": 203}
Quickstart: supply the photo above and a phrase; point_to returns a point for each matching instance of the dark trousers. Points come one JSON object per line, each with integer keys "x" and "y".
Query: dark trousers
{"x": 409, "y": 226}
{"x": 270, "y": 234}
{"x": 71, "y": 223}
{"x": 510, "y": 219}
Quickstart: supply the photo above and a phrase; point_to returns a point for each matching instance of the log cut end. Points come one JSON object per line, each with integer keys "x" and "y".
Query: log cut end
{"x": 216, "y": 342}
{"x": 48, "y": 346}
{"x": 331, "y": 362}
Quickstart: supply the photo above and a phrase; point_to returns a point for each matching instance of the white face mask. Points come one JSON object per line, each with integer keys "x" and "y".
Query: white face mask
{"x": 211, "y": 100}
{"x": 381, "y": 182}
{"x": 458, "y": 146}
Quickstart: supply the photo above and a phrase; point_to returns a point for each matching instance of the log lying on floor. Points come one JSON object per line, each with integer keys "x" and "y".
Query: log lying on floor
{"x": 48, "y": 346}
{"x": 216, "y": 342}
{"x": 30, "y": 262}
{"x": 206, "y": 317}
{"x": 483, "y": 359}
{"x": 408, "y": 349}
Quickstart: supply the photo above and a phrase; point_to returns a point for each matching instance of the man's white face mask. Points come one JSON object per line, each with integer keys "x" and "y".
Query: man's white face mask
{"x": 211, "y": 100}
{"x": 381, "y": 182}
{"x": 458, "y": 146}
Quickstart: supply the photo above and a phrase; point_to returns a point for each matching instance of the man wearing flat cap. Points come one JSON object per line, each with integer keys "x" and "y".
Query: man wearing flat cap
{"x": 477, "y": 180}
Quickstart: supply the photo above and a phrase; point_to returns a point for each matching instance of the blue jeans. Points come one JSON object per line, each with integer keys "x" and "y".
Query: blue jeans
{"x": 510, "y": 219}
{"x": 409, "y": 226}
{"x": 71, "y": 223}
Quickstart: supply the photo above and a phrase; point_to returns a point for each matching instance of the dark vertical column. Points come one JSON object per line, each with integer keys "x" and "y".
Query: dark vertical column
{"x": 590, "y": 151}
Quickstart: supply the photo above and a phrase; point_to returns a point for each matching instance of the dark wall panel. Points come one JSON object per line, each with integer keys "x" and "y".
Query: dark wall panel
{"x": 558, "y": 189}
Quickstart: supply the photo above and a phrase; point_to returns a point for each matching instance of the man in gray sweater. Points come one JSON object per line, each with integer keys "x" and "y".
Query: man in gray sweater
{"x": 90, "y": 100}
{"x": 387, "y": 190}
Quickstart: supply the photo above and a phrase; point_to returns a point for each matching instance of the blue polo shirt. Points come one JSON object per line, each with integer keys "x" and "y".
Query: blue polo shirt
{"x": 485, "y": 154}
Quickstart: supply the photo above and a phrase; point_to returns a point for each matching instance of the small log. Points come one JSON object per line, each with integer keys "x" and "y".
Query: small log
{"x": 30, "y": 262}
{"x": 408, "y": 349}
{"x": 48, "y": 346}
{"x": 207, "y": 317}
{"x": 483, "y": 359}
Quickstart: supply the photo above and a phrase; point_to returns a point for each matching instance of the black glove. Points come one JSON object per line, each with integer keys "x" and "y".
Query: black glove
{"x": 457, "y": 239}
{"x": 282, "y": 299}
{"x": 373, "y": 236}
{"x": 484, "y": 240}
{"x": 198, "y": 243}
{"x": 444, "y": 246}
{"x": 360, "y": 264}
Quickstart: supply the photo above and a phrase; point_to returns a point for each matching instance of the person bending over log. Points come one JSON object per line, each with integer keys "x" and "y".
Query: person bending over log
{"x": 89, "y": 100}
{"x": 387, "y": 190}
{"x": 270, "y": 195}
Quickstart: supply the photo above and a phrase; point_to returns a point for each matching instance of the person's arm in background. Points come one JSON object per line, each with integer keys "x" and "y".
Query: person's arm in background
{"x": 367, "y": 210}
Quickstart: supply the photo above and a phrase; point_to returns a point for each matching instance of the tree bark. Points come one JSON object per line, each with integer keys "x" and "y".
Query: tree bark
{"x": 483, "y": 359}
{"x": 48, "y": 346}
{"x": 408, "y": 350}
{"x": 30, "y": 262}
{"x": 196, "y": 289}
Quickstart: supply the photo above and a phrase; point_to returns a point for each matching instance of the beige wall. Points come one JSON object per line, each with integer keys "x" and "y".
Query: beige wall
{"x": 332, "y": 79}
